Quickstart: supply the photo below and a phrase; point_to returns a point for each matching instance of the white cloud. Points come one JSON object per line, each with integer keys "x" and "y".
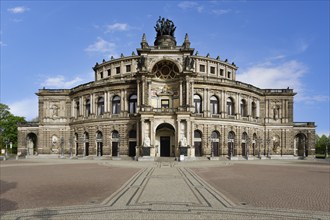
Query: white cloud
{"x": 18, "y": 10}
{"x": 2, "y": 44}
{"x": 220, "y": 11}
{"x": 103, "y": 47}
{"x": 116, "y": 27}
{"x": 187, "y": 5}
{"x": 59, "y": 82}
{"x": 281, "y": 76}
{"x": 27, "y": 108}
{"x": 273, "y": 76}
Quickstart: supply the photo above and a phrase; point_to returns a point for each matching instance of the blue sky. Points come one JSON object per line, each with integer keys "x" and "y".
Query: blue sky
{"x": 275, "y": 44}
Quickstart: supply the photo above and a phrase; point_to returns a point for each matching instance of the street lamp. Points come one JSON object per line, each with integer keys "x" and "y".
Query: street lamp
{"x": 259, "y": 140}
{"x": 211, "y": 138}
{"x": 6, "y": 142}
{"x": 118, "y": 147}
{"x": 304, "y": 143}
{"x": 62, "y": 147}
{"x": 268, "y": 142}
{"x": 247, "y": 147}
{"x": 326, "y": 149}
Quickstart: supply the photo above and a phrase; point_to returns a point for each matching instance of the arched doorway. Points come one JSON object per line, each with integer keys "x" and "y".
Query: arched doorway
{"x": 301, "y": 145}
{"x": 254, "y": 140}
{"x": 115, "y": 143}
{"x": 165, "y": 136}
{"x": 231, "y": 144}
{"x": 99, "y": 144}
{"x": 198, "y": 143}
{"x": 31, "y": 144}
{"x": 132, "y": 143}
{"x": 86, "y": 144}
{"x": 215, "y": 137}
{"x": 244, "y": 144}
{"x": 76, "y": 144}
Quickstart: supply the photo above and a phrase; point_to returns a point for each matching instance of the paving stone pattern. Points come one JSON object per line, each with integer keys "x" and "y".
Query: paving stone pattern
{"x": 165, "y": 190}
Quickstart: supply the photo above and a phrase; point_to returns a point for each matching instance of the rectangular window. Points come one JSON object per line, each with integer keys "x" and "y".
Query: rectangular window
{"x": 128, "y": 68}
{"x": 212, "y": 69}
{"x": 165, "y": 103}
{"x": 109, "y": 72}
{"x": 202, "y": 68}
{"x": 118, "y": 70}
{"x": 229, "y": 75}
{"x": 101, "y": 75}
{"x": 221, "y": 72}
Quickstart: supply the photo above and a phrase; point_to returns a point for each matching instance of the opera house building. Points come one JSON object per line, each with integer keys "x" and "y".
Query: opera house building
{"x": 166, "y": 100}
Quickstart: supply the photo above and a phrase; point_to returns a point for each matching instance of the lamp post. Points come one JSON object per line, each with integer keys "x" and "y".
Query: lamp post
{"x": 62, "y": 147}
{"x": 211, "y": 138}
{"x": 326, "y": 149}
{"x": 231, "y": 141}
{"x": 6, "y": 142}
{"x": 259, "y": 140}
{"x": 304, "y": 143}
{"x": 268, "y": 150}
{"x": 247, "y": 147}
{"x": 118, "y": 147}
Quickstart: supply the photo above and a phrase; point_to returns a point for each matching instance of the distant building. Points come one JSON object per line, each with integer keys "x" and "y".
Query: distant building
{"x": 167, "y": 101}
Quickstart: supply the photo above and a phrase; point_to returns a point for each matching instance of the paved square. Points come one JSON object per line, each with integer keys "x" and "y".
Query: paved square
{"x": 105, "y": 189}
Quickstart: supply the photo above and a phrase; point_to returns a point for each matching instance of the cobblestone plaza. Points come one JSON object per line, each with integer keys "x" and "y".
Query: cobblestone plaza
{"x": 263, "y": 189}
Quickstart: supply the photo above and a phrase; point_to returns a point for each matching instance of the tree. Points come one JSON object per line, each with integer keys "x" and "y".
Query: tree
{"x": 8, "y": 127}
{"x": 321, "y": 143}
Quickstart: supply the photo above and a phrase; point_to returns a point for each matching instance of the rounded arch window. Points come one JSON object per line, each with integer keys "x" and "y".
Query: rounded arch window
{"x": 165, "y": 70}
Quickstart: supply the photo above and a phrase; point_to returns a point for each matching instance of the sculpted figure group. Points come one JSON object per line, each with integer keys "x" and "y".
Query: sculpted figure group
{"x": 164, "y": 27}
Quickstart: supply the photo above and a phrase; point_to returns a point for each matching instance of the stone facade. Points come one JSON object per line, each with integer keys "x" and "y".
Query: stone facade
{"x": 167, "y": 101}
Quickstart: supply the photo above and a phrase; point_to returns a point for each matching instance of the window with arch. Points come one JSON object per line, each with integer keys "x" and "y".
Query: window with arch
{"x": 116, "y": 105}
{"x": 165, "y": 69}
{"x": 214, "y": 105}
{"x": 77, "y": 108}
{"x": 254, "y": 110}
{"x": 198, "y": 143}
{"x": 243, "y": 106}
{"x": 132, "y": 103}
{"x": 230, "y": 106}
{"x": 88, "y": 107}
{"x": 100, "y": 106}
{"x": 198, "y": 103}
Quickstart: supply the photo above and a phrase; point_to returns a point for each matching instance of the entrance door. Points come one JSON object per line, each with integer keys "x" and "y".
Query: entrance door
{"x": 165, "y": 146}
{"x": 114, "y": 149}
{"x": 99, "y": 149}
{"x": 86, "y": 149}
{"x": 198, "y": 148}
{"x": 216, "y": 149}
{"x": 131, "y": 149}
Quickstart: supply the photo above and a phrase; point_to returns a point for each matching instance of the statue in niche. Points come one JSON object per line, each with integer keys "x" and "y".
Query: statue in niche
{"x": 54, "y": 111}
{"x": 146, "y": 142}
{"x": 189, "y": 63}
{"x": 141, "y": 64}
{"x": 183, "y": 141}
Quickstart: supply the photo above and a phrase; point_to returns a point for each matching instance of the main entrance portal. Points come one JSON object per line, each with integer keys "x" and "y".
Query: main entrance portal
{"x": 165, "y": 146}
{"x": 165, "y": 136}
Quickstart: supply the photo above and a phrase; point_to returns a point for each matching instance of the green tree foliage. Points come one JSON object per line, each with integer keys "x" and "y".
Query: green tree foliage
{"x": 8, "y": 126}
{"x": 321, "y": 143}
